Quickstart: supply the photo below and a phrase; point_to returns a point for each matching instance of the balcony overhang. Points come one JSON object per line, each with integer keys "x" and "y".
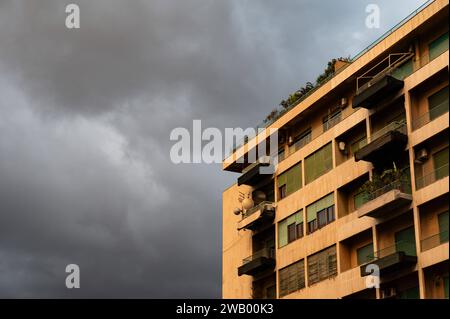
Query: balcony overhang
{"x": 384, "y": 204}
{"x": 376, "y": 90}
{"x": 256, "y": 174}
{"x": 264, "y": 215}
{"x": 384, "y": 148}
{"x": 256, "y": 266}
{"x": 389, "y": 264}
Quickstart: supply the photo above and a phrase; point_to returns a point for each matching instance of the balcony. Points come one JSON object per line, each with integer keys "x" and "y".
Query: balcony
{"x": 256, "y": 172}
{"x": 402, "y": 255}
{"x": 258, "y": 262}
{"x": 386, "y": 199}
{"x": 432, "y": 177}
{"x": 378, "y": 82}
{"x": 384, "y": 145}
{"x": 434, "y": 241}
{"x": 257, "y": 217}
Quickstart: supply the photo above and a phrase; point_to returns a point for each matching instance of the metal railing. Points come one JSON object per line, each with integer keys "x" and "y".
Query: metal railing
{"x": 399, "y": 126}
{"x": 407, "y": 247}
{"x": 434, "y": 241}
{"x": 432, "y": 114}
{"x": 432, "y": 177}
{"x": 266, "y": 252}
{"x": 256, "y": 208}
{"x": 392, "y": 61}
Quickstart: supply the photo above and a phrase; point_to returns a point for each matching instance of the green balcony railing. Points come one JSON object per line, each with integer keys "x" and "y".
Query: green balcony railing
{"x": 432, "y": 114}
{"x": 432, "y": 177}
{"x": 434, "y": 241}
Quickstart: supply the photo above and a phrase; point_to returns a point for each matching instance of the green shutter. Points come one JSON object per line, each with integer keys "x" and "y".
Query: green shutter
{"x": 440, "y": 160}
{"x": 311, "y": 210}
{"x": 404, "y": 70}
{"x": 443, "y": 227}
{"x": 438, "y": 103}
{"x": 364, "y": 254}
{"x": 282, "y": 179}
{"x": 296, "y": 218}
{"x": 282, "y": 233}
{"x": 405, "y": 241}
{"x": 292, "y": 178}
{"x": 438, "y": 46}
{"x": 318, "y": 163}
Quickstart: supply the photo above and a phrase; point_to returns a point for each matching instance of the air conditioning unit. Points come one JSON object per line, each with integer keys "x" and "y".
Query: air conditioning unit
{"x": 388, "y": 293}
{"x": 344, "y": 102}
{"x": 421, "y": 156}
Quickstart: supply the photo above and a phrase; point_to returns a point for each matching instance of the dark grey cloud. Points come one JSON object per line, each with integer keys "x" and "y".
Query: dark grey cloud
{"x": 85, "y": 118}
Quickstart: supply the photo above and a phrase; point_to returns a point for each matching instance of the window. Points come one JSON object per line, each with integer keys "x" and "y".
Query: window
{"x": 291, "y": 180}
{"x": 443, "y": 227}
{"x": 403, "y": 70}
{"x": 358, "y": 144}
{"x": 320, "y": 213}
{"x": 318, "y": 163}
{"x": 301, "y": 141}
{"x": 331, "y": 120}
{"x": 405, "y": 241}
{"x": 440, "y": 160}
{"x": 438, "y": 46}
{"x": 281, "y": 155}
{"x": 322, "y": 265}
{"x": 292, "y": 278}
{"x": 290, "y": 229}
{"x": 364, "y": 254}
{"x": 438, "y": 103}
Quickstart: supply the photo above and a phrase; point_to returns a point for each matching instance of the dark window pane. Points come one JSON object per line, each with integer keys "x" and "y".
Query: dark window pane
{"x": 330, "y": 214}
{"x": 312, "y": 226}
{"x": 322, "y": 218}
{"x": 282, "y": 191}
{"x": 292, "y": 233}
{"x": 300, "y": 230}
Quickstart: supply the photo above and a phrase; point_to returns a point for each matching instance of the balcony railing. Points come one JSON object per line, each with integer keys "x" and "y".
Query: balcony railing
{"x": 407, "y": 247}
{"x": 434, "y": 241}
{"x": 399, "y": 126}
{"x": 432, "y": 177}
{"x": 432, "y": 114}
{"x": 263, "y": 253}
{"x": 260, "y": 206}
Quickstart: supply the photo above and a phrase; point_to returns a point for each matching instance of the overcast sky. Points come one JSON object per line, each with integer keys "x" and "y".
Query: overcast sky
{"x": 85, "y": 119}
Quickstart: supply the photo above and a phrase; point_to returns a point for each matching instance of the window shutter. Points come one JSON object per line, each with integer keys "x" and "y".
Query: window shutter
{"x": 282, "y": 233}
{"x": 405, "y": 241}
{"x": 364, "y": 254}
{"x": 438, "y": 103}
{"x": 440, "y": 160}
{"x": 438, "y": 46}
{"x": 443, "y": 227}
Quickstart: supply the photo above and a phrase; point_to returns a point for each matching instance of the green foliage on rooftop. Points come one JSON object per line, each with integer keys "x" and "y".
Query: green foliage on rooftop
{"x": 305, "y": 90}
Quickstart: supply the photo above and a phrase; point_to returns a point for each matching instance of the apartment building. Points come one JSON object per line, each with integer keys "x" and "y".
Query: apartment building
{"x": 361, "y": 179}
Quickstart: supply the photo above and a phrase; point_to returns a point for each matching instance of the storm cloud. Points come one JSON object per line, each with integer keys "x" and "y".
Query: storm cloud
{"x": 85, "y": 120}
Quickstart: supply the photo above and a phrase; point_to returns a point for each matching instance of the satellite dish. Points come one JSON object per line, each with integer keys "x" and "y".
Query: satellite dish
{"x": 237, "y": 211}
{"x": 341, "y": 146}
